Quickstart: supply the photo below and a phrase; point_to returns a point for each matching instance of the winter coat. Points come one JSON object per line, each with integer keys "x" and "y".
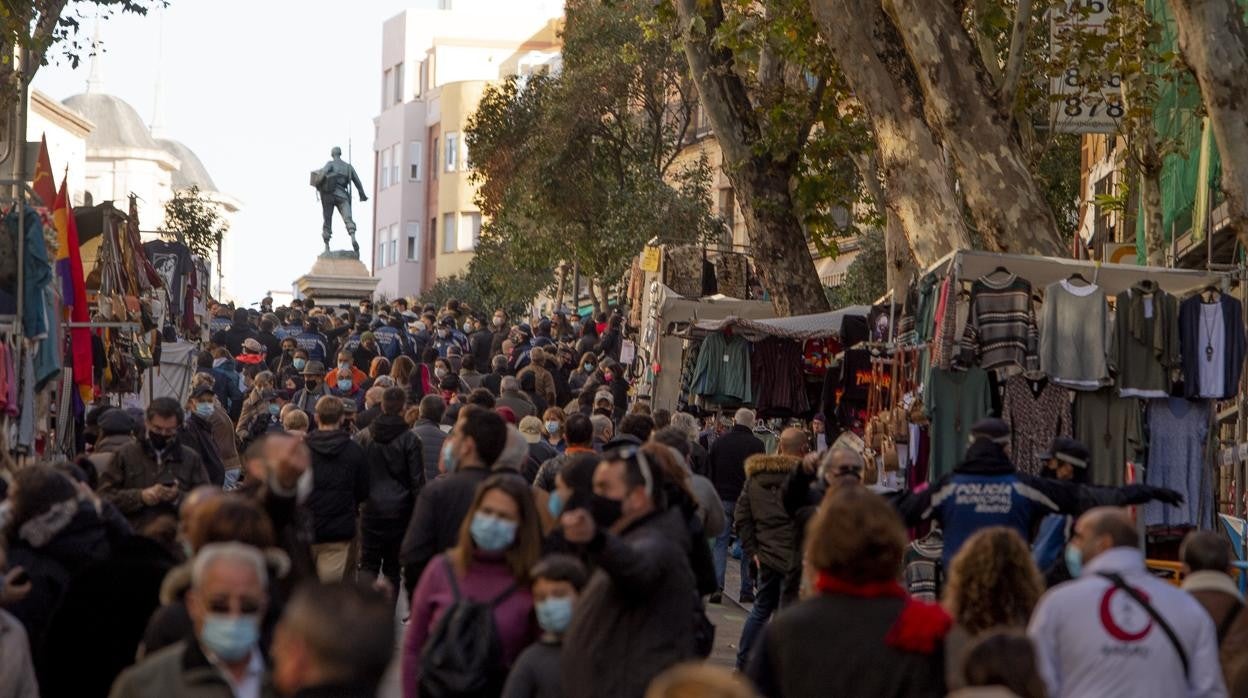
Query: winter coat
{"x": 479, "y": 345}
{"x": 487, "y": 577}
{"x": 138, "y": 466}
{"x": 635, "y": 617}
{"x": 519, "y": 403}
{"x": 396, "y": 470}
{"x": 726, "y": 461}
{"x": 543, "y": 381}
{"x": 431, "y": 438}
{"x": 306, "y": 399}
{"x": 53, "y": 548}
{"x": 440, "y": 510}
{"x": 852, "y": 630}
{"x": 180, "y": 670}
{"x": 760, "y": 520}
{"x": 339, "y": 484}
{"x": 233, "y": 338}
{"x": 197, "y": 434}
{"x": 17, "y": 671}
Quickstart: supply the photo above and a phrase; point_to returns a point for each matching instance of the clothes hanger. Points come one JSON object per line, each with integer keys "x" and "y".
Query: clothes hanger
{"x": 998, "y": 270}
{"x": 1076, "y": 276}
{"x": 1210, "y": 294}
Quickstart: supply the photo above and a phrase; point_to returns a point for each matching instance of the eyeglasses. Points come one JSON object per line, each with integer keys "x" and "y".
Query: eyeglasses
{"x": 225, "y": 605}
{"x": 635, "y": 454}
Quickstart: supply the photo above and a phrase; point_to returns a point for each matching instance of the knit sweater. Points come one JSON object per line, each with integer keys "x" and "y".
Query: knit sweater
{"x": 1001, "y": 328}
{"x": 1074, "y": 336}
{"x": 1145, "y": 342}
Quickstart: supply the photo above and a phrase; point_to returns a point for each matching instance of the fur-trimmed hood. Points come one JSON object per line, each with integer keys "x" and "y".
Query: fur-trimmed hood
{"x": 762, "y": 463}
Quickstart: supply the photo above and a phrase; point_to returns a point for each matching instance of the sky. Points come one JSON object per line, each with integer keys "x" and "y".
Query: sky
{"x": 260, "y": 90}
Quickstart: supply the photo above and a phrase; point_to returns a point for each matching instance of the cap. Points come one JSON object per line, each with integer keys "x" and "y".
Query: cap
{"x": 115, "y": 421}
{"x": 604, "y": 395}
{"x": 506, "y": 413}
{"x": 525, "y": 330}
{"x": 201, "y": 391}
{"x": 253, "y": 345}
{"x": 1067, "y": 450}
{"x": 991, "y": 428}
{"x": 531, "y": 429}
{"x": 314, "y": 368}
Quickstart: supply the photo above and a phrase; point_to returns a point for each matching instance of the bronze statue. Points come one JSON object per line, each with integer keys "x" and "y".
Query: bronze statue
{"x": 333, "y": 182}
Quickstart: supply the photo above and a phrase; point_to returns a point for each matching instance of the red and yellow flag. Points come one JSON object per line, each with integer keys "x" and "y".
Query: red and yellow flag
{"x": 44, "y": 183}
{"x": 74, "y": 289}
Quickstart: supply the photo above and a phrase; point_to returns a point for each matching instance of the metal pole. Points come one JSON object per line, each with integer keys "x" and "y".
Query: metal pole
{"x": 19, "y": 140}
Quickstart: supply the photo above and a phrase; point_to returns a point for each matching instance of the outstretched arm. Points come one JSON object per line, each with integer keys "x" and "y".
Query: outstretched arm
{"x": 355, "y": 177}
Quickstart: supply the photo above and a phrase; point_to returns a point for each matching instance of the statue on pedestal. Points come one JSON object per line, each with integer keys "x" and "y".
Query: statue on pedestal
{"x": 333, "y": 183}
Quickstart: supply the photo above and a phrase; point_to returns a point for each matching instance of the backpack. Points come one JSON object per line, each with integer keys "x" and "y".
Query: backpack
{"x": 464, "y": 655}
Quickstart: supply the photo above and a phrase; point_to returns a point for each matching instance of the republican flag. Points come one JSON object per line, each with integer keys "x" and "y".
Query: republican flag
{"x": 74, "y": 289}
{"x": 44, "y": 183}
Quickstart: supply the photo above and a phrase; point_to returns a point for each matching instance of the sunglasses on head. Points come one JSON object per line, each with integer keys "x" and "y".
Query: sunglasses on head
{"x": 636, "y": 455}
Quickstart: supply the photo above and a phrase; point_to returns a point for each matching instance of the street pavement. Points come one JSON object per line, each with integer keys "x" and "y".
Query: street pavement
{"x": 729, "y": 618}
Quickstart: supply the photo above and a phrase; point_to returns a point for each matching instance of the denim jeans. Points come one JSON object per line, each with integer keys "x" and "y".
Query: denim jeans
{"x": 720, "y": 551}
{"x": 766, "y": 601}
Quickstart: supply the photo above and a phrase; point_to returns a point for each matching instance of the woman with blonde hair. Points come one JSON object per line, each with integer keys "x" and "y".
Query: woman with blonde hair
{"x": 499, "y": 543}
{"x": 993, "y": 583}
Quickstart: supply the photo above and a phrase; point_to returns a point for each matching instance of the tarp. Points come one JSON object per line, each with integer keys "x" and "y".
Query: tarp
{"x": 812, "y": 326}
{"x": 172, "y": 378}
{"x": 1042, "y": 271}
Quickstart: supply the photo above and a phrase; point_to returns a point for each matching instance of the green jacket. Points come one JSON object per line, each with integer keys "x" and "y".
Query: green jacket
{"x": 179, "y": 670}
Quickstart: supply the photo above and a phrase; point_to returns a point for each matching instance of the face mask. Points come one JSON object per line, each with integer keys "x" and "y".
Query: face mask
{"x": 275, "y": 410}
{"x": 498, "y": 322}
{"x": 467, "y": 328}
{"x": 443, "y": 333}
{"x": 552, "y": 428}
{"x": 606, "y": 511}
{"x": 230, "y": 637}
{"x": 608, "y": 376}
{"x": 554, "y": 614}
{"x": 554, "y": 504}
{"x": 589, "y": 368}
{"x": 205, "y": 409}
{"x": 439, "y": 372}
{"x": 1074, "y": 559}
{"x": 344, "y": 384}
{"x": 448, "y": 456}
{"x": 344, "y": 367}
{"x": 158, "y": 441}
{"x": 312, "y": 383}
{"x": 299, "y": 364}
{"x": 491, "y": 533}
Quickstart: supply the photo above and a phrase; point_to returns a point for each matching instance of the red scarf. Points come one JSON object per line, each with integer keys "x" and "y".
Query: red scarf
{"x": 919, "y": 628}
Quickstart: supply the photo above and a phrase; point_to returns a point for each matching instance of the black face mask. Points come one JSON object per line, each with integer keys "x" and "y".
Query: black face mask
{"x": 312, "y": 383}
{"x": 159, "y": 441}
{"x": 606, "y": 511}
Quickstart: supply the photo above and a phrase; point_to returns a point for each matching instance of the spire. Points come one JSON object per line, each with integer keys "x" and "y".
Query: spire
{"x": 158, "y": 109}
{"x": 95, "y": 83}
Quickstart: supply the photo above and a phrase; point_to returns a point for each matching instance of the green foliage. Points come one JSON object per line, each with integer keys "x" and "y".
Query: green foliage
{"x": 865, "y": 278}
{"x": 581, "y": 167}
{"x": 194, "y": 220}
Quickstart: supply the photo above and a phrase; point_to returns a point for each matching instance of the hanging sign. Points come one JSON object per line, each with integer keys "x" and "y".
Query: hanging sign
{"x": 1082, "y": 99}
{"x": 650, "y": 258}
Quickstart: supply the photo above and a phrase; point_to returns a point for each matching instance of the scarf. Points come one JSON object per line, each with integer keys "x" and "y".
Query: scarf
{"x": 920, "y": 627}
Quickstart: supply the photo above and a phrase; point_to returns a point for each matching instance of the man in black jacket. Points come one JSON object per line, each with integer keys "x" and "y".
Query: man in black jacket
{"x": 339, "y": 485}
{"x": 396, "y": 475}
{"x": 726, "y": 469}
{"x": 240, "y": 330}
{"x": 470, "y": 451}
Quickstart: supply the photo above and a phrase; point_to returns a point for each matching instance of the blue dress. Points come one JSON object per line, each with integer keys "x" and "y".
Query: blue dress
{"x": 1178, "y": 432}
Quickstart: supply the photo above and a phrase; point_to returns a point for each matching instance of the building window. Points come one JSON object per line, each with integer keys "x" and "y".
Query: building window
{"x": 385, "y": 168}
{"x": 398, "y": 84}
{"x": 433, "y": 159}
{"x": 381, "y": 247}
{"x": 385, "y": 90}
{"x": 396, "y": 164}
{"x": 413, "y": 241}
{"x": 469, "y": 230}
{"x": 448, "y": 232}
{"x": 452, "y": 151}
{"x": 394, "y": 243}
{"x": 415, "y": 160}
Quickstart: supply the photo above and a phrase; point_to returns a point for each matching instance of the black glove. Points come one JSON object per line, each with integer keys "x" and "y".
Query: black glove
{"x": 1166, "y": 495}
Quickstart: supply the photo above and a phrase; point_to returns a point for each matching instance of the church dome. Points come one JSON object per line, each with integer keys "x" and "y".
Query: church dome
{"x": 191, "y": 172}
{"x": 117, "y": 124}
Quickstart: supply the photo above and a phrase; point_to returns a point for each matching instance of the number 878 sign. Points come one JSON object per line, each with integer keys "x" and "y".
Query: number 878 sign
{"x": 1082, "y": 102}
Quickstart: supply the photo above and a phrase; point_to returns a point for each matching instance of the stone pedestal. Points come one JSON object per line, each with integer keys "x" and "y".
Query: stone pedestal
{"x": 337, "y": 277}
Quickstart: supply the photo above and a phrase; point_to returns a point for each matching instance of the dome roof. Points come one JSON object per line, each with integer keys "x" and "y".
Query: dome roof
{"x": 117, "y": 124}
{"x": 191, "y": 172}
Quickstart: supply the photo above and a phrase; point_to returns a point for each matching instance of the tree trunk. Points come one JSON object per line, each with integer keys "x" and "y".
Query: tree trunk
{"x": 916, "y": 192}
{"x": 560, "y": 280}
{"x": 899, "y": 262}
{"x": 961, "y": 107}
{"x": 1214, "y": 43}
{"x": 761, "y": 181}
{"x": 1150, "y": 196}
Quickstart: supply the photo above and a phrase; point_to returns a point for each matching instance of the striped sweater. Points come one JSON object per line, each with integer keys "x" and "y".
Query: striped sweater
{"x": 1001, "y": 330}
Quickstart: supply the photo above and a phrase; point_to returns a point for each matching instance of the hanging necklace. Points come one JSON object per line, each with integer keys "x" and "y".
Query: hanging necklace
{"x": 1208, "y": 331}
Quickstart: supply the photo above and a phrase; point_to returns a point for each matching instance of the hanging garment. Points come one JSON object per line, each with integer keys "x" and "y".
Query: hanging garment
{"x": 1074, "y": 336}
{"x": 1001, "y": 327}
{"x": 1111, "y": 429}
{"x": 1177, "y": 433}
{"x": 722, "y": 373}
{"x": 1037, "y": 412}
{"x": 776, "y": 376}
{"x": 172, "y": 261}
{"x": 48, "y": 350}
{"x": 955, "y": 400}
{"x": 26, "y": 420}
{"x": 817, "y": 355}
{"x": 943, "y": 335}
{"x": 1212, "y": 339}
{"x": 1144, "y": 345}
{"x": 36, "y": 272}
{"x": 925, "y": 315}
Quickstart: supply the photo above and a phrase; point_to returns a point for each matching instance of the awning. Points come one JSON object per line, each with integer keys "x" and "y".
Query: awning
{"x": 797, "y": 327}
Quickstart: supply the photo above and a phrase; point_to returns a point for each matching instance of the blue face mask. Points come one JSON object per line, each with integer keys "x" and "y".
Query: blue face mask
{"x": 554, "y": 614}
{"x": 1074, "y": 559}
{"x": 448, "y": 456}
{"x": 552, "y": 428}
{"x": 555, "y": 504}
{"x": 589, "y": 368}
{"x": 491, "y": 533}
{"x": 205, "y": 409}
{"x": 230, "y": 637}
{"x": 299, "y": 364}
{"x": 344, "y": 384}
{"x": 275, "y": 410}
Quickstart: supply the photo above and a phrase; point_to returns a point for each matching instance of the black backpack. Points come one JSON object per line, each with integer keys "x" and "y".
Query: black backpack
{"x": 464, "y": 655}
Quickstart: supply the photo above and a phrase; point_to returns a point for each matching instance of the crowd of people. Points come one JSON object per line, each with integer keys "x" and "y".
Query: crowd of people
{"x": 435, "y": 502}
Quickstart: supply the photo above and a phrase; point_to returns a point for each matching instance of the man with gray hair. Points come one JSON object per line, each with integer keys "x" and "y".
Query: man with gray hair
{"x": 726, "y": 469}
{"x": 227, "y": 600}
{"x": 512, "y": 398}
{"x": 604, "y": 431}
{"x": 333, "y": 640}
{"x": 688, "y": 424}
